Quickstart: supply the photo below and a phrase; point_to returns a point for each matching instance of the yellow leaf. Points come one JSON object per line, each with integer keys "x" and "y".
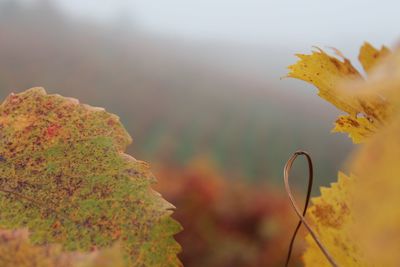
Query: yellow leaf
{"x": 336, "y": 80}
{"x": 369, "y": 56}
{"x": 358, "y": 128}
{"x": 325, "y": 72}
{"x": 377, "y": 197}
{"x": 331, "y": 218}
{"x": 382, "y": 82}
{"x": 17, "y": 251}
{"x": 357, "y": 219}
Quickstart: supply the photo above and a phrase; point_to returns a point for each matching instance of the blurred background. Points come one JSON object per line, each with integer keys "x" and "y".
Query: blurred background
{"x": 198, "y": 86}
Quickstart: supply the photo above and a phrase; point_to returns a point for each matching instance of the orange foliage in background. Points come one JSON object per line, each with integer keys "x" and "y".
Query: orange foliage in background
{"x": 227, "y": 222}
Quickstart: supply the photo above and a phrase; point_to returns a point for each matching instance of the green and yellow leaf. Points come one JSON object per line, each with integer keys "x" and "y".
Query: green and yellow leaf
{"x": 64, "y": 176}
{"x": 17, "y": 251}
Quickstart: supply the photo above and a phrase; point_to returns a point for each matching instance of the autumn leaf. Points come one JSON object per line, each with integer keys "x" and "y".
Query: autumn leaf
{"x": 325, "y": 72}
{"x": 377, "y": 198}
{"x": 365, "y": 112}
{"x": 16, "y": 250}
{"x": 331, "y": 218}
{"x": 358, "y": 129}
{"x": 64, "y": 176}
{"x": 370, "y": 57}
{"x": 357, "y": 219}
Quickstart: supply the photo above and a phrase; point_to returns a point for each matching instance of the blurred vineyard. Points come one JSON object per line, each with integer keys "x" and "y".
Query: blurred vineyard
{"x": 178, "y": 99}
{"x": 227, "y": 223}
{"x": 181, "y": 101}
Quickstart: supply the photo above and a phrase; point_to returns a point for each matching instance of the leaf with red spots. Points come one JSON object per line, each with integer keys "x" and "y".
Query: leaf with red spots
{"x": 64, "y": 176}
{"x": 17, "y": 251}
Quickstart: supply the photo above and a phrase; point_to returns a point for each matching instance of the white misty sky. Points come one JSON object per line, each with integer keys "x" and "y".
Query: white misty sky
{"x": 279, "y": 22}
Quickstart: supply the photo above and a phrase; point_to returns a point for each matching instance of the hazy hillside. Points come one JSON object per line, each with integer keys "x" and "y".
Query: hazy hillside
{"x": 179, "y": 99}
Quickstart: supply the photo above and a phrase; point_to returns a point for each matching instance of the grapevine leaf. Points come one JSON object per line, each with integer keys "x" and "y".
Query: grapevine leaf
{"x": 369, "y": 56}
{"x": 358, "y": 128}
{"x": 331, "y": 216}
{"x": 17, "y": 251}
{"x": 64, "y": 176}
{"x": 325, "y": 72}
{"x": 357, "y": 218}
{"x": 366, "y": 112}
{"x": 384, "y": 82}
{"x": 377, "y": 197}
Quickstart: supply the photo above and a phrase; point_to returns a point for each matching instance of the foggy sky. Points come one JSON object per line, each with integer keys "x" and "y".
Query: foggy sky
{"x": 303, "y": 22}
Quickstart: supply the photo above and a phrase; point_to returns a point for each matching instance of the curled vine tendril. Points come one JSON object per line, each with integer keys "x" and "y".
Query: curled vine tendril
{"x": 301, "y": 215}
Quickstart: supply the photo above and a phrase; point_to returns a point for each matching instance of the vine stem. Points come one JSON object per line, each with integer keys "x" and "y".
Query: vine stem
{"x": 301, "y": 215}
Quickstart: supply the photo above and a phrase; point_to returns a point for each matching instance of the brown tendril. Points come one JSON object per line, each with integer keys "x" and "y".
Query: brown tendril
{"x": 301, "y": 215}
